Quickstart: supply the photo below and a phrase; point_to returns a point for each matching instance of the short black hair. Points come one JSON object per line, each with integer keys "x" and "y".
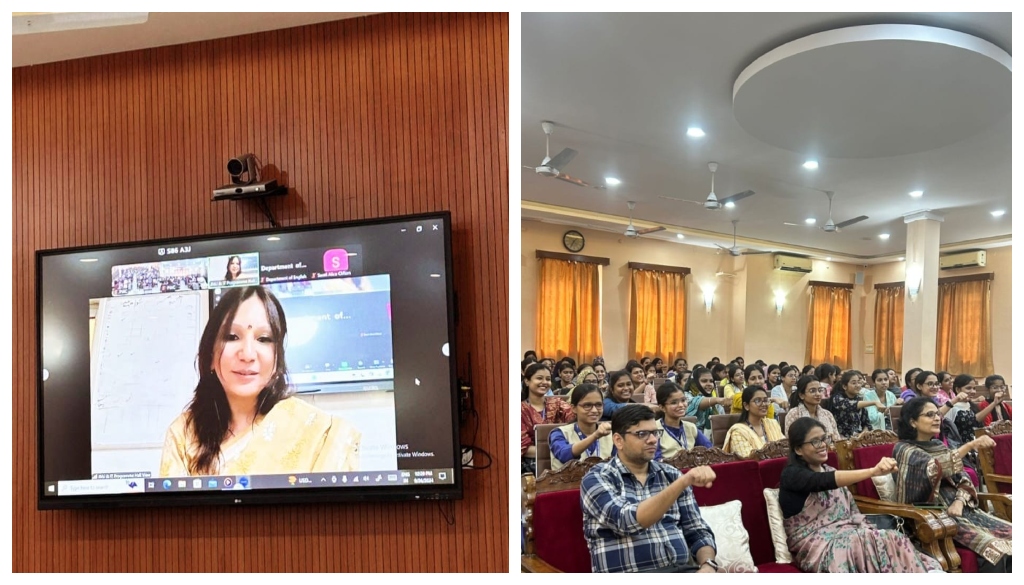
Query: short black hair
{"x": 529, "y": 353}
{"x": 991, "y": 380}
{"x": 629, "y": 416}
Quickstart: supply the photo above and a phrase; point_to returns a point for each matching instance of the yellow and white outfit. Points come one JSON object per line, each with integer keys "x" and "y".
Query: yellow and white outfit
{"x": 294, "y": 437}
{"x": 605, "y": 446}
{"x": 742, "y": 440}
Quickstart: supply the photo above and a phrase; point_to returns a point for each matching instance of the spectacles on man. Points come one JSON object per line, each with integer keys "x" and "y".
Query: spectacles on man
{"x": 819, "y": 442}
{"x": 591, "y": 405}
{"x": 642, "y": 435}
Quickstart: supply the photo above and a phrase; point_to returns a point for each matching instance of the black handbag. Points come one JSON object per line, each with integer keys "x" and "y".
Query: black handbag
{"x": 885, "y": 522}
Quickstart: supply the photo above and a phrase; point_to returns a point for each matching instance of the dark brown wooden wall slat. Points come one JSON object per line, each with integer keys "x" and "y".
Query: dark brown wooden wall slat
{"x": 386, "y": 115}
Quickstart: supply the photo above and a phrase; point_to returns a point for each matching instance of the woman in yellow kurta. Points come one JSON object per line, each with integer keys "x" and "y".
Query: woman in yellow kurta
{"x": 242, "y": 419}
{"x": 754, "y": 428}
{"x": 753, "y": 376}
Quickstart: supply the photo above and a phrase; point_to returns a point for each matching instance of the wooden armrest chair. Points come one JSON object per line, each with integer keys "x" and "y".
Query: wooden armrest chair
{"x": 638, "y": 397}
{"x": 720, "y": 424}
{"x": 996, "y": 466}
{"x": 893, "y": 412}
{"x": 773, "y": 450}
{"x": 540, "y": 439}
{"x": 933, "y": 529}
{"x": 567, "y": 478}
{"x": 698, "y": 456}
{"x": 690, "y": 419}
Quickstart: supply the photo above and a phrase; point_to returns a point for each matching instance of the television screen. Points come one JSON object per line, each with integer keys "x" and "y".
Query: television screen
{"x": 300, "y": 365}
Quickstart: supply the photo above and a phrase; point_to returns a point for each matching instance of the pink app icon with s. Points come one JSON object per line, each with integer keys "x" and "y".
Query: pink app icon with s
{"x": 335, "y": 260}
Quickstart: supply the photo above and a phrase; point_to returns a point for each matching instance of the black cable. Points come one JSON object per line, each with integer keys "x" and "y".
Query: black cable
{"x": 472, "y": 448}
{"x": 449, "y": 514}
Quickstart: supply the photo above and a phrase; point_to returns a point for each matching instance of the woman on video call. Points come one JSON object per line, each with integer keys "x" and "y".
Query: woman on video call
{"x": 234, "y": 271}
{"x": 242, "y": 418}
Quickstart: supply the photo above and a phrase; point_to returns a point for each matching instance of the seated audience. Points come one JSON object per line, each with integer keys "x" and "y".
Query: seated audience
{"x": 806, "y": 401}
{"x": 930, "y": 473}
{"x": 966, "y": 416}
{"x": 848, "y": 408}
{"x": 772, "y": 377}
{"x": 588, "y": 436}
{"x": 641, "y": 381}
{"x": 566, "y": 372}
{"x": 739, "y": 361}
{"x": 536, "y": 409}
{"x": 619, "y": 394}
{"x": 679, "y": 434}
{"x": 639, "y": 515}
{"x": 585, "y": 375}
{"x": 755, "y": 427}
{"x": 826, "y": 374}
{"x": 602, "y": 376}
{"x": 734, "y": 384}
{"x": 824, "y": 529}
{"x": 944, "y": 392}
{"x": 659, "y": 366}
{"x": 996, "y": 383}
{"x": 894, "y": 382}
{"x": 704, "y": 399}
{"x": 720, "y": 373}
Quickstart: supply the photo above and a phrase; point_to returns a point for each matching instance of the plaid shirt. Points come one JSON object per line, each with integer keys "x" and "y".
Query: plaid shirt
{"x": 610, "y": 494}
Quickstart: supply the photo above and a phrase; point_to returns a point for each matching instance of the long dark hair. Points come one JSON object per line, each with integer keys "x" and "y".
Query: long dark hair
{"x": 748, "y": 395}
{"x": 613, "y": 378}
{"x": 209, "y": 414}
{"x": 531, "y": 371}
{"x": 911, "y": 411}
{"x": 227, "y": 275}
{"x": 797, "y": 435}
{"x": 909, "y": 378}
{"x": 801, "y": 388}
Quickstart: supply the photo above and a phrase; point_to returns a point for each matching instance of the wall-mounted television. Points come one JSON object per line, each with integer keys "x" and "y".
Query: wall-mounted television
{"x": 304, "y": 364}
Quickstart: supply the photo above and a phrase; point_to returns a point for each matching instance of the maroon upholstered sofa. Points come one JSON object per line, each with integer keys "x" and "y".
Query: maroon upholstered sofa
{"x": 554, "y": 539}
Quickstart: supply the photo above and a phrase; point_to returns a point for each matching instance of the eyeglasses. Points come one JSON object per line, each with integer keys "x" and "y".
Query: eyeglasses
{"x": 818, "y": 390}
{"x": 759, "y": 401}
{"x": 933, "y": 414}
{"x": 819, "y": 443}
{"x": 642, "y": 435}
{"x": 931, "y": 384}
{"x": 590, "y": 406}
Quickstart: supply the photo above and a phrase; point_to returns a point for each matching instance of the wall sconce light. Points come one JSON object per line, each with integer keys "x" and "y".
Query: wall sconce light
{"x": 709, "y": 298}
{"x": 780, "y": 301}
{"x": 914, "y": 278}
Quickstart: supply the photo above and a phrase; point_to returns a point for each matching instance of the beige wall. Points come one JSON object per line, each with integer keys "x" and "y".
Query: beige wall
{"x": 743, "y": 320}
{"x": 998, "y": 261}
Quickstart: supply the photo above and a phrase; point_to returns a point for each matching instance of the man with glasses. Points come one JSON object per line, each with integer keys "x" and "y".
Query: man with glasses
{"x": 640, "y": 514}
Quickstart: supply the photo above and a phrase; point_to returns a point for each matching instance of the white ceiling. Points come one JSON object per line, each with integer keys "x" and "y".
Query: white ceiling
{"x": 624, "y": 87}
{"x": 161, "y": 29}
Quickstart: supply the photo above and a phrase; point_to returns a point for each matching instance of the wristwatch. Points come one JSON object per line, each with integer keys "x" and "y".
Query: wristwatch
{"x": 710, "y": 562}
{"x": 949, "y": 404}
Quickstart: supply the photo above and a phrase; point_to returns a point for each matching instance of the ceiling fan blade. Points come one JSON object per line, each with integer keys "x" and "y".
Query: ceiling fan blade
{"x": 723, "y": 247}
{"x": 755, "y": 252}
{"x": 563, "y": 158}
{"x": 736, "y": 197}
{"x": 701, "y": 203}
{"x": 650, "y": 230}
{"x": 529, "y": 167}
{"x": 573, "y": 180}
{"x": 850, "y": 222}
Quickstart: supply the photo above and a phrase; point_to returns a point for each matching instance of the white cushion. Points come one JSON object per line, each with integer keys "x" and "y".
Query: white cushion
{"x": 781, "y": 545}
{"x": 885, "y": 485}
{"x": 731, "y": 538}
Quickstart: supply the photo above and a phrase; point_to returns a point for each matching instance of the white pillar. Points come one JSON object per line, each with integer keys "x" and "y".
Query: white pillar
{"x": 921, "y": 290}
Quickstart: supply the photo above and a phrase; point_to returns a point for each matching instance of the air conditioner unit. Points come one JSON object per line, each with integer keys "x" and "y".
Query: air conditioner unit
{"x": 792, "y": 263}
{"x": 962, "y": 260}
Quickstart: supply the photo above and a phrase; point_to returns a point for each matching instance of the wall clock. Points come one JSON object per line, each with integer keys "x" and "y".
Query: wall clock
{"x": 573, "y": 241}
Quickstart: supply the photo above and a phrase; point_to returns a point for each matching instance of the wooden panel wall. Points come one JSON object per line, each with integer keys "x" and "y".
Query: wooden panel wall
{"x": 384, "y": 115}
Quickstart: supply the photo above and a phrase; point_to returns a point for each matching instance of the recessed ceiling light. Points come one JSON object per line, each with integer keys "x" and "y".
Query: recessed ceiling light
{"x": 611, "y": 181}
{"x": 810, "y": 220}
{"x": 88, "y": 259}
{"x": 998, "y": 213}
{"x": 811, "y": 165}
{"x": 435, "y": 275}
{"x": 680, "y": 236}
{"x": 916, "y": 193}
{"x": 273, "y": 239}
{"x": 828, "y": 258}
{"x": 694, "y": 132}
{"x": 901, "y": 259}
{"x": 883, "y": 236}
{"x": 729, "y": 205}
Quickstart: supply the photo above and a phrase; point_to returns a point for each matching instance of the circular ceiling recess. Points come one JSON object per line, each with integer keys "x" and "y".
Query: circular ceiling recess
{"x": 874, "y": 91}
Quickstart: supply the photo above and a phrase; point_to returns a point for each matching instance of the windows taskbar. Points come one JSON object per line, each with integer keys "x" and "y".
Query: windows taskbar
{"x": 128, "y": 485}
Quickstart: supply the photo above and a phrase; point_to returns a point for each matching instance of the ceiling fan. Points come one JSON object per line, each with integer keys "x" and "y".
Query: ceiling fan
{"x": 552, "y": 167}
{"x": 831, "y": 226}
{"x": 632, "y": 232}
{"x": 734, "y": 250}
{"x": 713, "y": 202}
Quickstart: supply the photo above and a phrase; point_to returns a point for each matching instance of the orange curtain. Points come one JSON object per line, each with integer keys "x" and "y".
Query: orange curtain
{"x": 657, "y": 314}
{"x": 889, "y": 327}
{"x": 569, "y": 310}
{"x": 963, "y": 342}
{"x": 829, "y": 335}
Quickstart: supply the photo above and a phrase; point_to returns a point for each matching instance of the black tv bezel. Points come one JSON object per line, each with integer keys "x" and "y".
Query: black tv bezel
{"x": 312, "y": 495}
